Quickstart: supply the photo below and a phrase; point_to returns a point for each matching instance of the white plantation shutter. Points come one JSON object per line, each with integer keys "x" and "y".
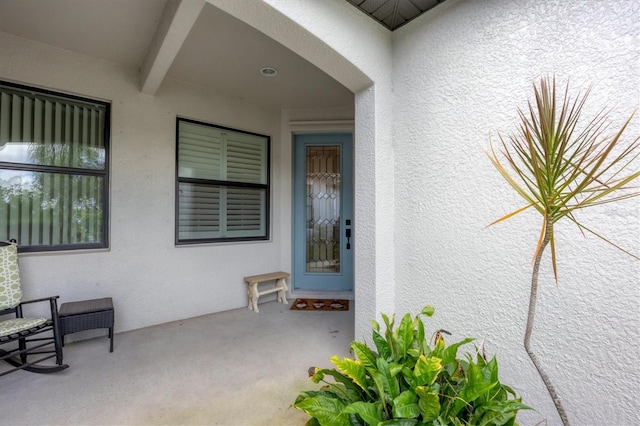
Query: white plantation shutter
{"x": 245, "y": 215}
{"x": 53, "y": 173}
{"x": 200, "y": 152}
{"x": 222, "y": 183}
{"x": 246, "y": 158}
{"x": 199, "y": 211}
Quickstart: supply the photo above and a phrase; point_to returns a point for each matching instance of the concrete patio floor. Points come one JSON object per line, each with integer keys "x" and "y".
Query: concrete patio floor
{"x": 230, "y": 368}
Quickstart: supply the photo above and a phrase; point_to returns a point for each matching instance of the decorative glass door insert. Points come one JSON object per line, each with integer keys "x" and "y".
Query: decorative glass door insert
{"x": 323, "y": 209}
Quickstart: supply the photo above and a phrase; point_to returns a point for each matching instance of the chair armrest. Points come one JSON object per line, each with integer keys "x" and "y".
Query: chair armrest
{"x": 39, "y": 300}
{"x": 53, "y": 305}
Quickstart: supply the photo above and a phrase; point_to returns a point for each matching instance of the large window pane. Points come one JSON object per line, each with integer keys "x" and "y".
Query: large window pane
{"x": 53, "y": 169}
{"x": 245, "y": 213}
{"x": 199, "y": 211}
{"x": 206, "y": 152}
{"x": 44, "y": 209}
{"x": 199, "y": 151}
{"x": 222, "y": 184}
{"x": 49, "y": 131}
{"x": 246, "y": 158}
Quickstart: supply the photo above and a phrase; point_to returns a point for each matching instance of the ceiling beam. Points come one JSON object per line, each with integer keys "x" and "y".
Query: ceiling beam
{"x": 177, "y": 19}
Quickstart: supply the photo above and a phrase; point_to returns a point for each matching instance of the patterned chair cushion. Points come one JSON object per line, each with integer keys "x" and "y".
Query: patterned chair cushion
{"x": 10, "y": 292}
{"x": 18, "y": 324}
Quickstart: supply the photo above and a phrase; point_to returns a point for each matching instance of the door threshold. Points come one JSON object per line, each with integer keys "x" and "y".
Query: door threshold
{"x": 310, "y": 294}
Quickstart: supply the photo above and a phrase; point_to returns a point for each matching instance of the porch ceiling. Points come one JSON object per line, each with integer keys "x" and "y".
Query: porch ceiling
{"x": 193, "y": 42}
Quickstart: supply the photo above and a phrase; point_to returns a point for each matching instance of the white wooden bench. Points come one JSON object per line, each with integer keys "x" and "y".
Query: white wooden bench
{"x": 254, "y": 293}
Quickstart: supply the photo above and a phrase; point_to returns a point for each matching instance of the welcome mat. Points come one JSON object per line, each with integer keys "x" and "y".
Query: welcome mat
{"x": 320, "y": 305}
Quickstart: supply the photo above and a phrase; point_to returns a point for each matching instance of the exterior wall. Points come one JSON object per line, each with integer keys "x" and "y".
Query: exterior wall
{"x": 460, "y": 72}
{"x": 150, "y": 279}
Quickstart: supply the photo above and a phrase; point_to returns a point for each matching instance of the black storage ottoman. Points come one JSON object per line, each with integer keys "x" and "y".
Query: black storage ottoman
{"x": 86, "y": 315}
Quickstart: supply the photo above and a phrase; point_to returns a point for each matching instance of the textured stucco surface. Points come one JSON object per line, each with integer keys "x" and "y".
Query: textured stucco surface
{"x": 460, "y": 72}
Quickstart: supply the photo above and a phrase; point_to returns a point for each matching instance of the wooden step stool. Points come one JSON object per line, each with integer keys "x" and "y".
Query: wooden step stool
{"x": 254, "y": 293}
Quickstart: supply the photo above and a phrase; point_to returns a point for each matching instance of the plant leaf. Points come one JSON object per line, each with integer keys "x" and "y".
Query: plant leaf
{"x": 328, "y": 411}
{"x": 426, "y": 370}
{"x": 405, "y": 405}
{"x": 429, "y": 404}
{"x": 349, "y": 393}
{"x": 366, "y": 356}
{"x": 405, "y": 335}
{"x": 370, "y": 412}
{"x": 451, "y": 352}
{"x": 399, "y": 422}
{"x": 353, "y": 369}
{"x": 381, "y": 345}
{"x": 388, "y": 381}
{"x": 428, "y": 311}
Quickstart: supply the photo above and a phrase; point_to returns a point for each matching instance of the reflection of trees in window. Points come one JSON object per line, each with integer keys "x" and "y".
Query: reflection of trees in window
{"x": 53, "y": 170}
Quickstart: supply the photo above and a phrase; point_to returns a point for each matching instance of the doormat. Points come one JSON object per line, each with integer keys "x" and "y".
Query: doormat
{"x": 320, "y": 305}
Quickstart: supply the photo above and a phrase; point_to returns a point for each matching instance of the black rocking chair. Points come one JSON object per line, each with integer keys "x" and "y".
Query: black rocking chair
{"x": 25, "y": 342}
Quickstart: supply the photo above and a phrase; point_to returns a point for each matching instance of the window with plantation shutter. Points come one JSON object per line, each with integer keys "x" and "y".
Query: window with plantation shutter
{"x": 53, "y": 169}
{"x": 222, "y": 185}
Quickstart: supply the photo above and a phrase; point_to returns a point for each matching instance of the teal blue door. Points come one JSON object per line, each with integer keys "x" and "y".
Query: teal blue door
{"x": 323, "y": 212}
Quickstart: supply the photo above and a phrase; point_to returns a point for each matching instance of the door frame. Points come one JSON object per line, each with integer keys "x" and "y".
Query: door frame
{"x": 298, "y": 127}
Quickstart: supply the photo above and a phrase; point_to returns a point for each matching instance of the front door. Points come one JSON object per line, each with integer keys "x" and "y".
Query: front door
{"x": 323, "y": 212}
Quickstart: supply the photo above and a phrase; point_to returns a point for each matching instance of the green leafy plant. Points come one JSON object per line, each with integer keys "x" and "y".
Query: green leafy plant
{"x": 406, "y": 381}
{"x": 560, "y": 170}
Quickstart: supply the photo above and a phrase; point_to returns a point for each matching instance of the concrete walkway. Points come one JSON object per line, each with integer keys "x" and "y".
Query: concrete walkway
{"x": 230, "y": 368}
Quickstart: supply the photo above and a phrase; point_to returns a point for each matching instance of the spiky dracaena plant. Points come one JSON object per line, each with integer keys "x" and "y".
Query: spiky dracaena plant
{"x": 558, "y": 170}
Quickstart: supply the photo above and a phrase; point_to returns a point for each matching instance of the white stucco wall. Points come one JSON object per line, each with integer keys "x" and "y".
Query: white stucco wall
{"x": 150, "y": 280}
{"x": 460, "y": 72}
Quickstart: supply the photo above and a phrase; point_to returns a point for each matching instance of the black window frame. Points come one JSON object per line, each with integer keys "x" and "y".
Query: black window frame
{"x": 223, "y": 183}
{"x": 69, "y": 171}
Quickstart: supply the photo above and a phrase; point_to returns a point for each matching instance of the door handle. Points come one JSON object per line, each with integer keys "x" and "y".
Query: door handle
{"x": 348, "y": 235}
